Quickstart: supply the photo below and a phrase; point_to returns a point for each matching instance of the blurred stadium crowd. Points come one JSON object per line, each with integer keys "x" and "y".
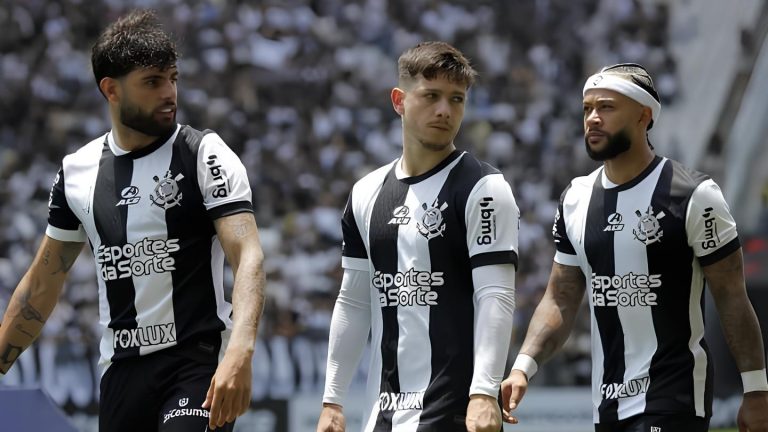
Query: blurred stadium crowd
{"x": 300, "y": 90}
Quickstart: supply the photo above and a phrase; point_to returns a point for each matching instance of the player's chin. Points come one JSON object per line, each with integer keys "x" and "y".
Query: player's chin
{"x": 436, "y": 145}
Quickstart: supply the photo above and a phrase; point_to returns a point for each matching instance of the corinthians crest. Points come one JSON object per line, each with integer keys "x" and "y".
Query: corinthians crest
{"x": 648, "y": 229}
{"x": 167, "y": 193}
{"x": 432, "y": 223}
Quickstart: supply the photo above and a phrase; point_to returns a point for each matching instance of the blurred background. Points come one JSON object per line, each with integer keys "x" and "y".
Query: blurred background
{"x": 300, "y": 90}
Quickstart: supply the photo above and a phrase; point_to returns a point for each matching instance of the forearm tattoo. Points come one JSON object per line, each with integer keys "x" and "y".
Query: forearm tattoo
{"x": 11, "y": 353}
{"x": 20, "y": 328}
{"x": 28, "y": 312}
{"x": 66, "y": 258}
{"x": 239, "y": 229}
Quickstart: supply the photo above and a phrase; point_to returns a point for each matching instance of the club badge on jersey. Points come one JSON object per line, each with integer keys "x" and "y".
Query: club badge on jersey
{"x": 167, "y": 193}
{"x": 432, "y": 223}
{"x": 648, "y": 229}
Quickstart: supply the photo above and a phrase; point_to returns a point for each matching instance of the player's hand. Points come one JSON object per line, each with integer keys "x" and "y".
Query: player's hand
{"x": 483, "y": 414}
{"x": 512, "y": 391}
{"x": 229, "y": 394}
{"x": 753, "y": 414}
{"x": 331, "y": 419}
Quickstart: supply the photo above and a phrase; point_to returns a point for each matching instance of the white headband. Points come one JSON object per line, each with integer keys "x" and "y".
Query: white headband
{"x": 627, "y": 88}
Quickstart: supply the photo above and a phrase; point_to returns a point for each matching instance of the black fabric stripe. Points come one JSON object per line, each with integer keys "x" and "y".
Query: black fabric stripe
{"x": 229, "y": 209}
{"x": 110, "y": 220}
{"x": 725, "y": 250}
{"x": 353, "y": 245}
{"x": 59, "y": 213}
{"x": 444, "y": 163}
{"x": 671, "y": 371}
{"x": 156, "y": 144}
{"x": 383, "y": 245}
{"x": 194, "y": 298}
{"x": 599, "y": 248}
{"x": 451, "y": 332}
{"x": 491, "y": 258}
{"x": 562, "y": 242}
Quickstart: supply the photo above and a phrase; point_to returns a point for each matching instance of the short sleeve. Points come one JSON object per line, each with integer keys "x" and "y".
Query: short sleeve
{"x": 493, "y": 221}
{"x": 353, "y": 253}
{"x": 709, "y": 225}
{"x": 63, "y": 224}
{"x": 222, "y": 178}
{"x": 565, "y": 254}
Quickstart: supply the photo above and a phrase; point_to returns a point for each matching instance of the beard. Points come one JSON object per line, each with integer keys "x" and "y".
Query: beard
{"x": 617, "y": 144}
{"x": 131, "y": 115}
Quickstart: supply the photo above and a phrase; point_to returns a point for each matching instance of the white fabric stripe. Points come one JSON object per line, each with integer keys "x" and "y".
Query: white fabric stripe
{"x": 223, "y": 307}
{"x": 363, "y": 208}
{"x": 630, "y": 256}
{"x": 66, "y": 235}
{"x": 154, "y": 291}
{"x": 355, "y": 263}
{"x": 414, "y": 348}
{"x": 627, "y": 88}
{"x": 597, "y": 363}
{"x": 575, "y": 209}
{"x": 374, "y": 370}
{"x": 80, "y": 173}
{"x": 697, "y": 334}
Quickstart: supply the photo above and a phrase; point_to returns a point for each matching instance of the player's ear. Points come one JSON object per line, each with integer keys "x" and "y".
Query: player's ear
{"x": 646, "y": 117}
{"x": 398, "y": 98}
{"x": 109, "y": 88}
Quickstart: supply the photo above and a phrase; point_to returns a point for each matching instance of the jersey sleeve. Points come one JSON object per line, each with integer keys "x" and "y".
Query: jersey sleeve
{"x": 222, "y": 178}
{"x": 493, "y": 220}
{"x": 565, "y": 254}
{"x": 353, "y": 253}
{"x": 709, "y": 225}
{"x": 63, "y": 224}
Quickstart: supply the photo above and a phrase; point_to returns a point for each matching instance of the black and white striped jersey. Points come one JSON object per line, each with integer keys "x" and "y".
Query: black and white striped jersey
{"x": 419, "y": 239}
{"x": 148, "y": 216}
{"x": 641, "y": 246}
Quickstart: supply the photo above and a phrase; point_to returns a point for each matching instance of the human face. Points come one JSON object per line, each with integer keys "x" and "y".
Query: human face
{"x": 610, "y": 120}
{"x": 432, "y": 111}
{"x": 148, "y": 100}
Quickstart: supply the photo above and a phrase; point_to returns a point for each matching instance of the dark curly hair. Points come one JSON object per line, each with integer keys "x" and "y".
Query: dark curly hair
{"x": 134, "y": 41}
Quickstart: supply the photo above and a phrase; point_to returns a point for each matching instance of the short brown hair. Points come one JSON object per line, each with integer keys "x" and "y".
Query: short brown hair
{"x": 435, "y": 59}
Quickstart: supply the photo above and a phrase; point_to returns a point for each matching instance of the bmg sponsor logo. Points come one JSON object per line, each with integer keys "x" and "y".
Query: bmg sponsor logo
{"x": 487, "y": 222}
{"x": 627, "y": 389}
{"x": 142, "y": 258}
{"x": 389, "y": 401}
{"x": 625, "y": 290}
{"x": 220, "y": 181}
{"x": 711, "y": 236}
{"x": 412, "y": 288}
{"x": 144, "y": 336}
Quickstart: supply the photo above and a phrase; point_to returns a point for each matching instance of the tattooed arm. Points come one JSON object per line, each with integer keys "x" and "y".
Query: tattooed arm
{"x": 35, "y": 297}
{"x": 553, "y": 319}
{"x": 741, "y": 329}
{"x": 550, "y": 327}
{"x": 230, "y": 392}
{"x": 725, "y": 279}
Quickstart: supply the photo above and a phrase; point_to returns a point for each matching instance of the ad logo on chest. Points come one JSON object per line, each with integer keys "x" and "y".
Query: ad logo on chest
{"x": 130, "y": 196}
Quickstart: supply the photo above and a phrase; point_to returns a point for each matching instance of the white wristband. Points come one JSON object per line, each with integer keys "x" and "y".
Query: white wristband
{"x": 526, "y": 364}
{"x": 754, "y": 381}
